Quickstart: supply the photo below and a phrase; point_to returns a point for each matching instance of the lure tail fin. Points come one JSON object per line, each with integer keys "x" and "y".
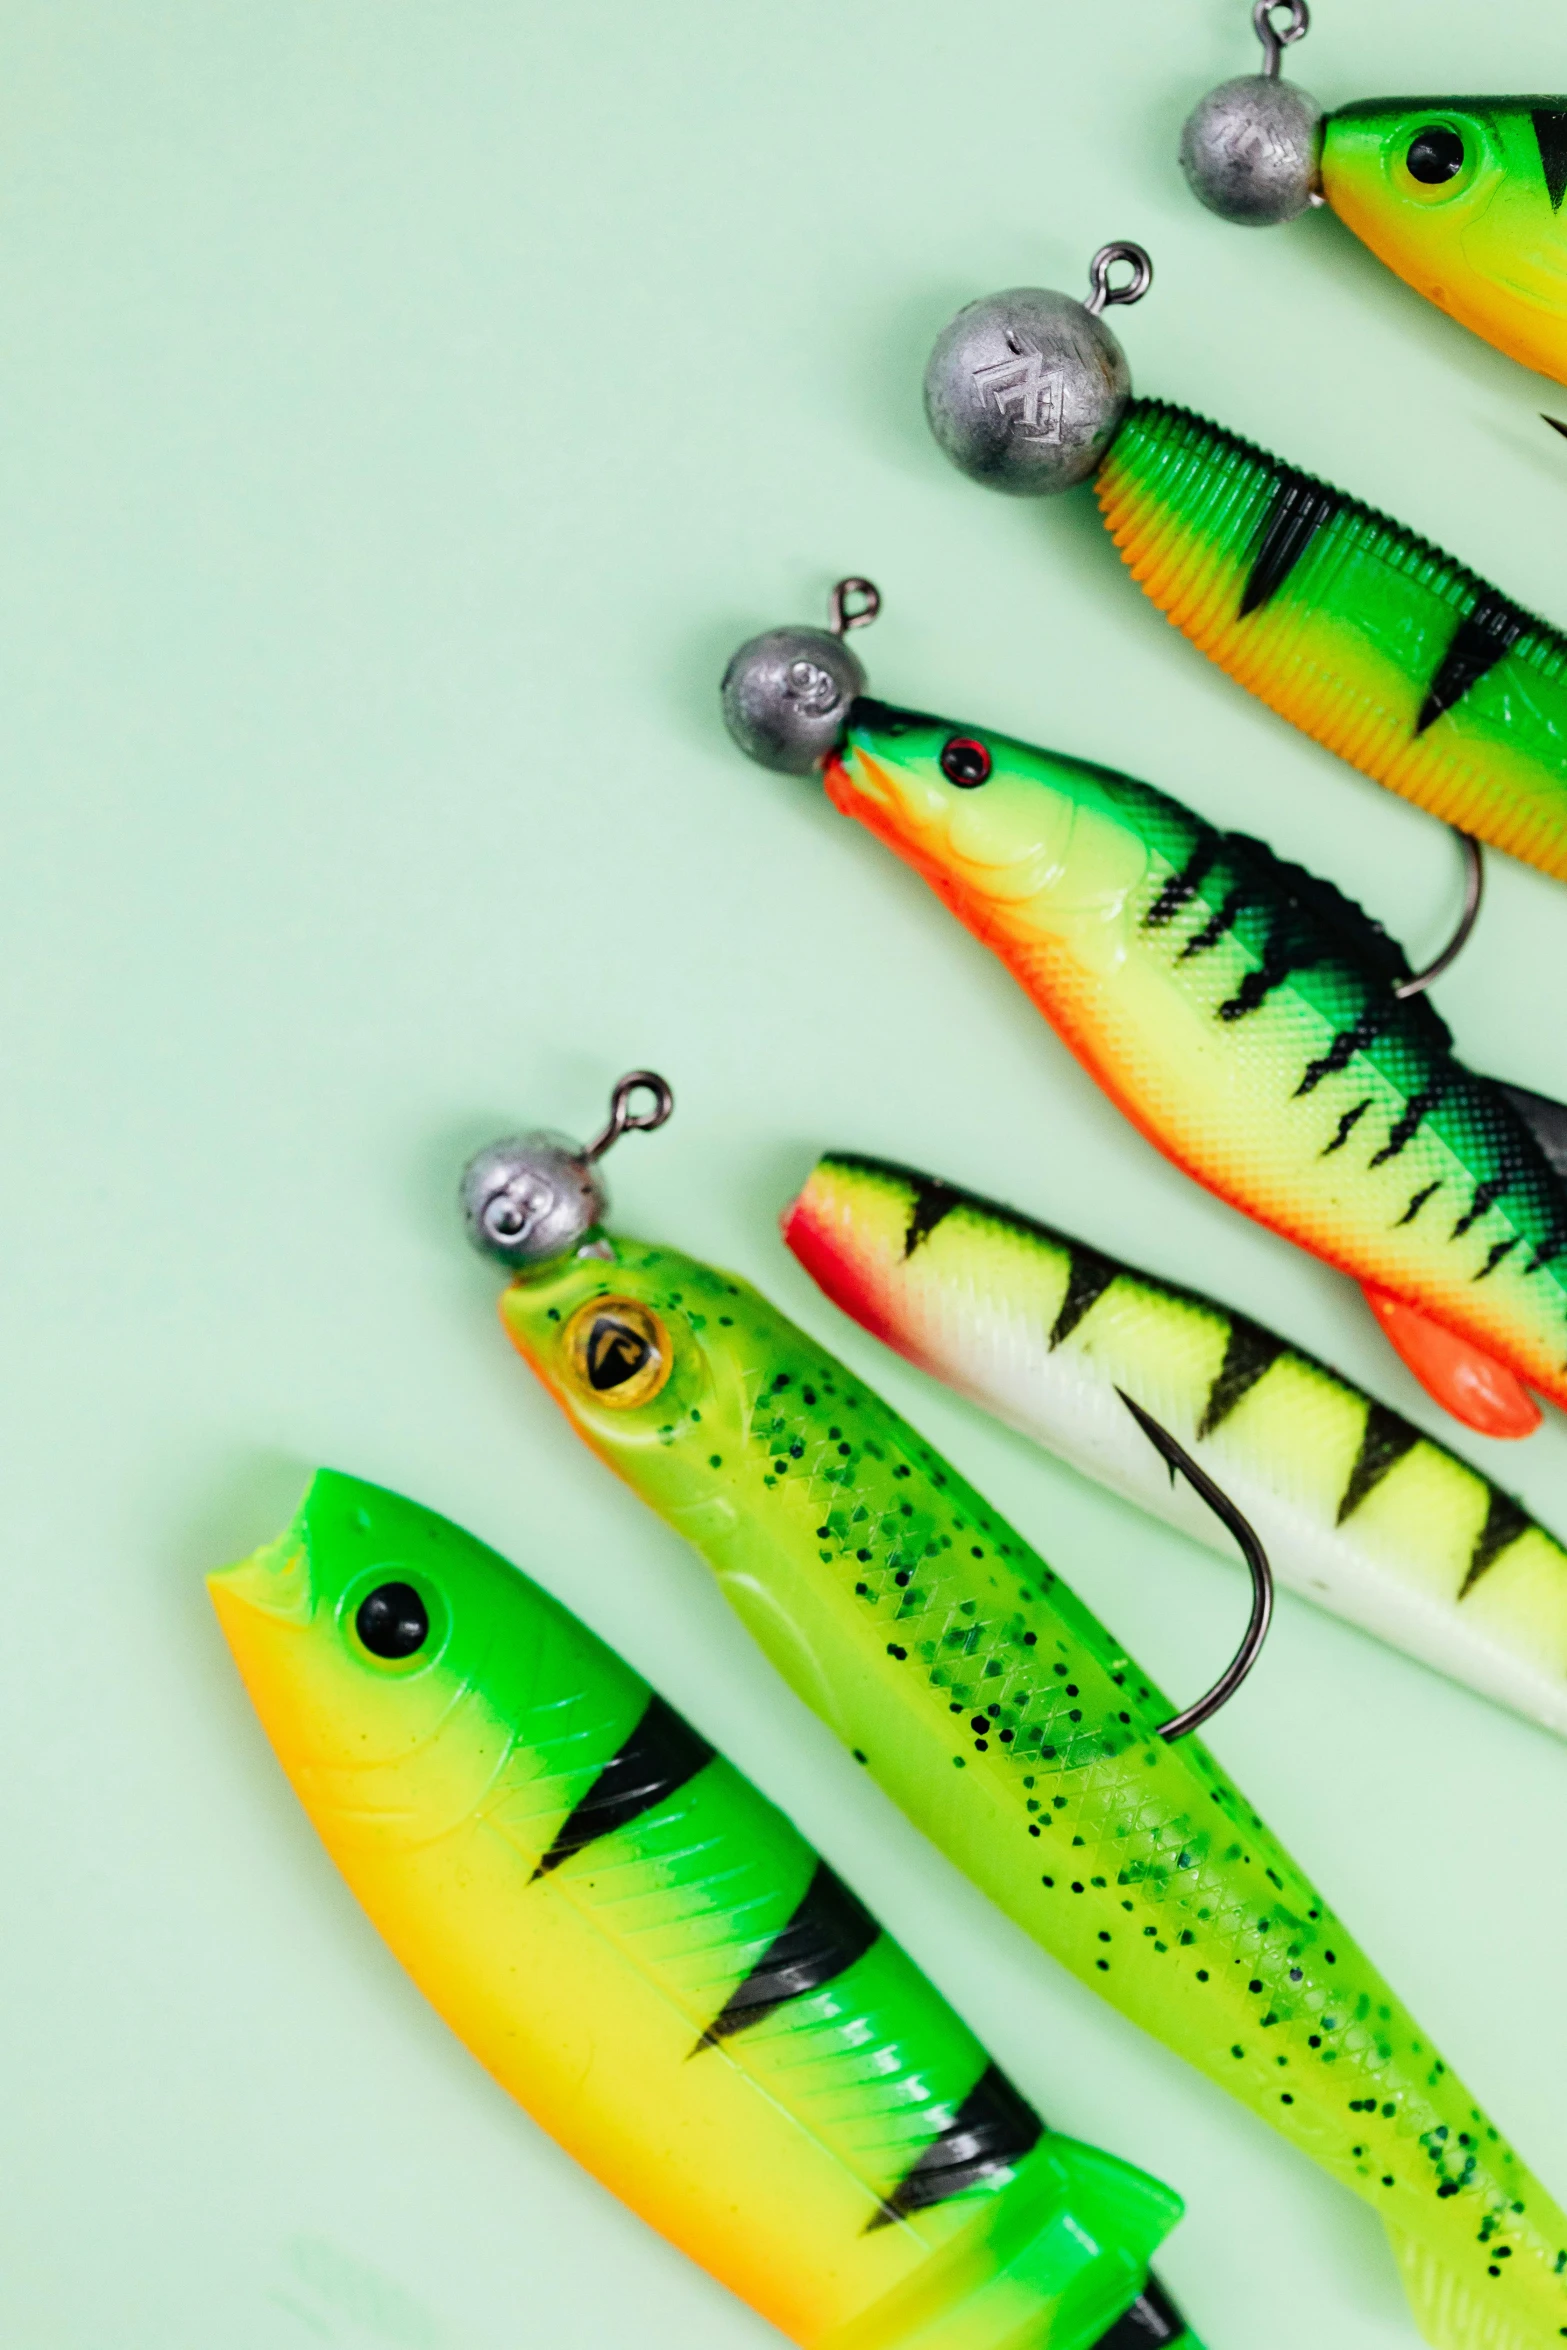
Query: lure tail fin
{"x": 1448, "y": 2312}
{"x": 1473, "y": 1386}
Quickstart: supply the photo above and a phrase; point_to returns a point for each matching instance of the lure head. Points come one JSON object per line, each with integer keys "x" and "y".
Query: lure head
{"x": 1250, "y": 151}
{"x": 1004, "y": 832}
{"x": 1024, "y": 391}
{"x": 529, "y": 1197}
{"x": 1463, "y": 198}
{"x": 371, "y": 1636}
{"x": 786, "y": 695}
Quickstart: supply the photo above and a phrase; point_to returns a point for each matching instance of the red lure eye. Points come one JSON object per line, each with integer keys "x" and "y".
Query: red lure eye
{"x": 965, "y": 762}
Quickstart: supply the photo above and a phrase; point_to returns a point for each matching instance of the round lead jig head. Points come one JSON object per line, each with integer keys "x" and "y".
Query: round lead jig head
{"x": 787, "y": 693}
{"x": 1252, "y": 149}
{"x": 1024, "y": 390}
{"x": 530, "y": 1197}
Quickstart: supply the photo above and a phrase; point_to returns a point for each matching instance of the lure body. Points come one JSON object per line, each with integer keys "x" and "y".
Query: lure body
{"x": 1357, "y": 1509}
{"x": 1018, "y": 1734}
{"x": 1244, "y": 1016}
{"x": 1477, "y": 226}
{"x": 1361, "y": 634}
{"x": 655, "y": 1963}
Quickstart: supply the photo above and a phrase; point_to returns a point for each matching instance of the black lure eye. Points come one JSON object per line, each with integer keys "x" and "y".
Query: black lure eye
{"x": 1435, "y": 156}
{"x": 615, "y": 1352}
{"x": 619, "y": 1350}
{"x": 393, "y": 1621}
{"x": 965, "y": 762}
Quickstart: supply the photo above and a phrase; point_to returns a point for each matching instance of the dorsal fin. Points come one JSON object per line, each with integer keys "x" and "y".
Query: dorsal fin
{"x": 1546, "y": 1121}
{"x": 1356, "y": 935}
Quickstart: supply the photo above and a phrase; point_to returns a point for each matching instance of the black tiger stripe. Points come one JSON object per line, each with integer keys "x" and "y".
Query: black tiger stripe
{"x": 1548, "y": 1252}
{"x": 1348, "y": 1042}
{"x": 1284, "y": 951}
{"x": 658, "y": 1757}
{"x": 1505, "y": 1521}
{"x": 1248, "y": 1353}
{"x": 1151, "y": 2322}
{"x": 1087, "y": 1279}
{"x": 1298, "y": 510}
{"x": 1383, "y": 1445}
{"x": 1346, "y": 1127}
{"x": 1409, "y": 1120}
{"x": 1550, "y": 130}
{"x": 1217, "y": 923}
{"x": 1418, "y": 1201}
{"x": 1488, "y": 631}
{"x": 1486, "y": 1196}
{"x": 1499, "y": 1249}
{"x": 991, "y": 2131}
{"x": 933, "y": 1200}
{"x": 828, "y": 1931}
{"x": 1180, "y": 887}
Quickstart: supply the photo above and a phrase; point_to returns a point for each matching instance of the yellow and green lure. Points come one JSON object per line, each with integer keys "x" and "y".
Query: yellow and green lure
{"x": 1462, "y": 197}
{"x": 1372, "y": 641}
{"x": 1359, "y": 1510}
{"x": 647, "y": 1955}
{"x": 1019, "y": 1735}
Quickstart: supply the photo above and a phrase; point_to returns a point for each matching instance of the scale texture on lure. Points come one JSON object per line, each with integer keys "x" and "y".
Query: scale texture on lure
{"x": 1358, "y": 1509}
{"x": 654, "y": 1961}
{"x": 1361, "y": 634}
{"x": 1017, "y": 1733}
{"x": 1244, "y": 1015}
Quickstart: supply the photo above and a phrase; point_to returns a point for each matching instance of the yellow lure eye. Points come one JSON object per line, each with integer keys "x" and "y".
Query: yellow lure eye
{"x": 618, "y": 1351}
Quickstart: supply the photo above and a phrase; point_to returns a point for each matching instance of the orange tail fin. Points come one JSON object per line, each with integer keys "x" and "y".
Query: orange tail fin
{"x": 1474, "y": 1387}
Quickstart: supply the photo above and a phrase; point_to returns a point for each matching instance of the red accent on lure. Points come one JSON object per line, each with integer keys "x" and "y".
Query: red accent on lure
{"x": 1474, "y": 1387}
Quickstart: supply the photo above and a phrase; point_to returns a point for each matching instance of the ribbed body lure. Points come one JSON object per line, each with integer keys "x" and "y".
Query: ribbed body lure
{"x": 1248, "y": 1019}
{"x": 1462, "y": 197}
{"x": 1362, "y": 634}
{"x": 647, "y": 1954}
{"x": 1359, "y": 1510}
{"x": 1018, "y": 1733}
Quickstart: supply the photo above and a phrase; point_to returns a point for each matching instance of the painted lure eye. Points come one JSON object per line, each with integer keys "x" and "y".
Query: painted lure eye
{"x": 393, "y": 1621}
{"x": 965, "y": 762}
{"x": 619, "y": 1351}
{"x": 1435, "y": 156}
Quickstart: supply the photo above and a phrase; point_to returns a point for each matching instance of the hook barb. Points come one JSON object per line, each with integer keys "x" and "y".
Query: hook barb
{"x": 1555, "y": 424}
{"x": 1474, "y": 891}
{"x": 1176, "y": 1458}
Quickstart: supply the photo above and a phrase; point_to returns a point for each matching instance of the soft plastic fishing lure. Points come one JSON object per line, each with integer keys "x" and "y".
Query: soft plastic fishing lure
{"x": 1461, "y": 196}
{"x": 1359, "y": 632}
{"x": 1360, "y": 1510}
{"x": 1011, "y": 1726}
{"x": 1256, "y": 1026}
{"x": 656, "y": 1964}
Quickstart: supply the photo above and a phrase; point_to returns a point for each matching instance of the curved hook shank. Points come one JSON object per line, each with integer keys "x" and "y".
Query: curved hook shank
{"x": 1474, "y": 891}
{"x": 1274, "y": 41}
{"x": 623, "y": 1119}
{"x": 1180, "y": 1725}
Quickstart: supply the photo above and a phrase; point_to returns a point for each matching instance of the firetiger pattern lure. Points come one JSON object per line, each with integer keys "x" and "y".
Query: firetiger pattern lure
{"x": 1011, "y": 1727}
{"x": 647, "y": 1955}
{"x": 1360, "y": 1510}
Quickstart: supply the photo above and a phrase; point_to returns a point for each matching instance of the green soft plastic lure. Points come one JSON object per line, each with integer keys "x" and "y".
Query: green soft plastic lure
{"x": 1011, "y": 1726}
{"x": 1461, "y": 196}
{"x": 1254, "y": 1024}
{"x": 1361, "y": 633}
{"x": 1360, "y": 1510}
{"x": 647, "y": 1954}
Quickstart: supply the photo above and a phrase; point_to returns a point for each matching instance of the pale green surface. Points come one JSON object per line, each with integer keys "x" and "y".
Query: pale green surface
{"x": 406, "y": 410}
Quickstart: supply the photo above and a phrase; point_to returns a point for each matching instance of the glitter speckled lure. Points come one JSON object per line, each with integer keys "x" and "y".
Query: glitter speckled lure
{"x": 647, "y": 1955}
{"x": 1361, "y": 633}
{"x": 1461, "y": 196}
{"x": 1015, "y": 1731}
{"x": 1254, "y": 1025}
{"x": 1359, "y": 1509}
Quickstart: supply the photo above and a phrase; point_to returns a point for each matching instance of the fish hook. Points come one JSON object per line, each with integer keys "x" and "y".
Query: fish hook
{"x": 854, "y": 603}
{"x": 624, "y": 1120}
{"x": 1474, "y": 891}
{"x": 1235, "y": 1672}
{"x": 1274, "y": 42}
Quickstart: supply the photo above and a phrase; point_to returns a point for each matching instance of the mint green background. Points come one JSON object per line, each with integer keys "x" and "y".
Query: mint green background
{"x": 405, "y": 410}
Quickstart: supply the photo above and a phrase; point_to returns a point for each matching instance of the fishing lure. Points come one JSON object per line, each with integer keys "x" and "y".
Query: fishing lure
{"x": 1359, "y": 1510}
{"x": 647, "y": 1955}
{"x": 1462, "y": 197}
{"x": 1013, "y": 1728}
{"x": 1364, "y": 636}
{"x": 1255, "y": 1026}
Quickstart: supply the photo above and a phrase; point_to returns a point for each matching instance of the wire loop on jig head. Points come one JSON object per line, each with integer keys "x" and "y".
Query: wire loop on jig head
{"x": 854, "y": 603}
{"x": 1274, "y": 41}
{"x": 623, "y": 1119}
{"x": 1104, "y": 292}
{"x": 1178, "y": 1459}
